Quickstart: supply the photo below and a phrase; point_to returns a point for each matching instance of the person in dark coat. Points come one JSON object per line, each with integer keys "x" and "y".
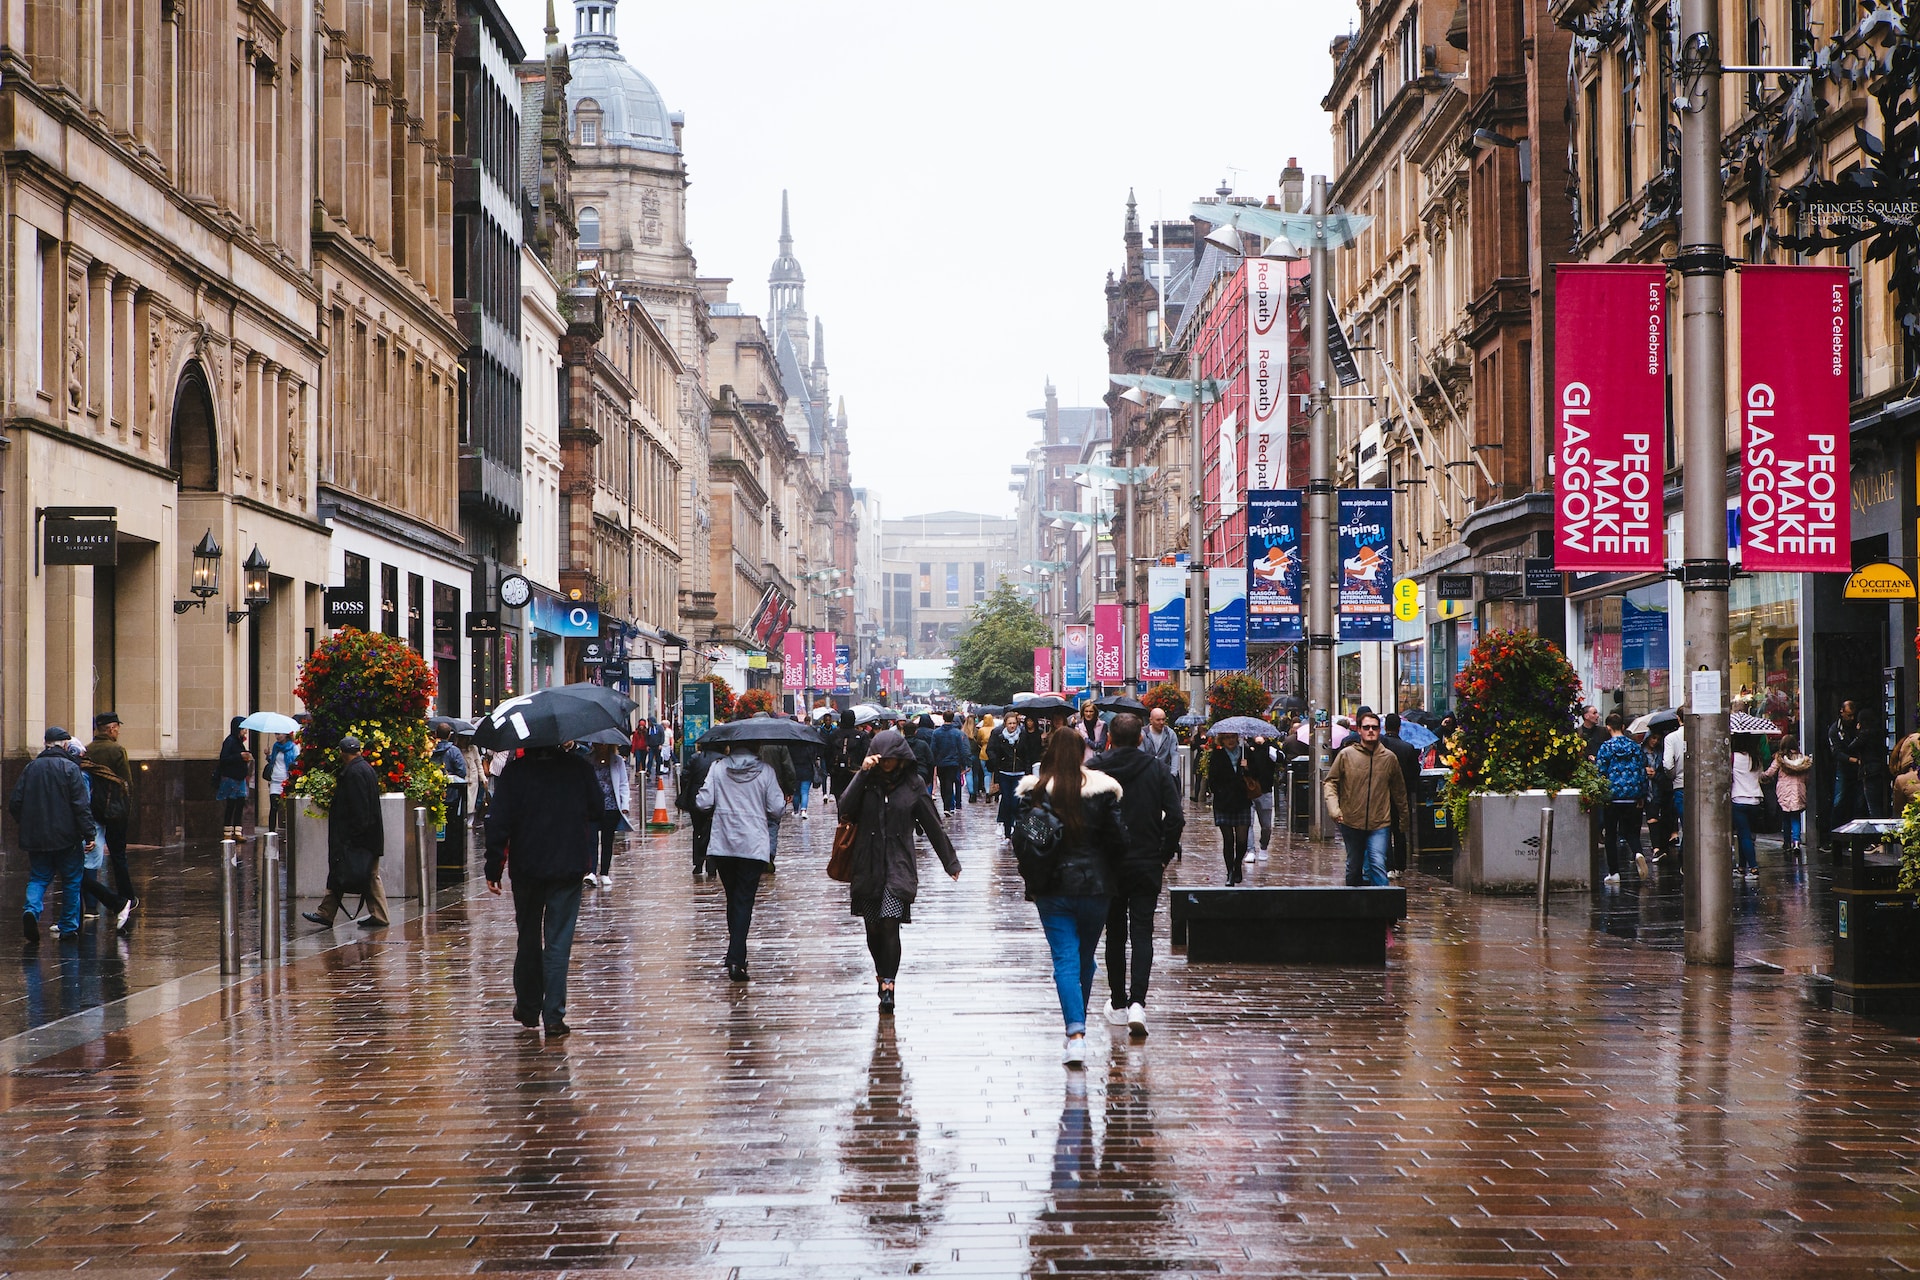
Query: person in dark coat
{"x": 780, "y": 760}
{"x": 849, "y": 750}
{"x": 354, "y": 825}
{"x": 230, "y": 778}
{"x": 543, "y": 825}
{"x": 1409, "y": 759}
{"x": 692, "y": 778}
{"x": 1227, "y": 775}
{"x": 1012, "y": 749}
{"x": 1150, "y": 806}
{"x": 1072, "y": 886}
{"x": 919, "y": 735}
{"x": 949, "y": 748}
{"x": 53, "y": 806}
{"x": 888, "y": 801}
{"x": 805, "y": 758}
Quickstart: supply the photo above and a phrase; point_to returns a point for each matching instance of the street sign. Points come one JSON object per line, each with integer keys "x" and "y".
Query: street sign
{"x": 70, "y": 537}
{"x": 592, "y": 651}
{"x": 1453, "y": 586}
{"x": 346, "y": 607}
{"x": 640, "y": 670}
{"x": 484, "y": 623}
{"x": 1543, "y": 579}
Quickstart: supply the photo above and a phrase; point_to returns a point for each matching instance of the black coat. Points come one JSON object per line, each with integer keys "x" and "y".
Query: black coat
{"x": 692, "y": 778}
{"x": 1232, "y": 806}
{"x": 1150, "y": 806}
{"x": 848, "y": 750}
{"x": 1259, "y": 763}
{"x": 1409, "y": 759}
{"x": 233, "y": 757}
{"x": 883, "y": 851}
{"x": 50, "y": 803}
{"x": 544, "y": 822}
{"x": 353, "y": 820}
{"x": 1012, "y": 757}
{"x": 922, "y": 750}
{"x": 1089, "y": 865}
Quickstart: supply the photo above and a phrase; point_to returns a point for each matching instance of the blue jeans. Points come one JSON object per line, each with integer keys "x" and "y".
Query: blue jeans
{"x": 1743, "y": 834}
{"x": 1791, "y": 820}
{"x": 67, "y": 864}
{"x": 803, "y": 790}
{"x": 1073, "y": 926}
{"x": 1368, "y": 848}
{"x": 976, "y": 779}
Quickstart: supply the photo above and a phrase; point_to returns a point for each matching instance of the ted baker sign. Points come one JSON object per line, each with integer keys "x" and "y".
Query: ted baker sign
{"x": 1794, "y": 345}
{"x": 1610, "y": 437}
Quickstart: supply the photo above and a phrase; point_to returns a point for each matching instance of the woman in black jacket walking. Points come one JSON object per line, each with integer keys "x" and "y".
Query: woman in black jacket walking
{"x": 1072, "y": 884}
{"x": 1228, "y": 771}
{"x": 888, "y": 800}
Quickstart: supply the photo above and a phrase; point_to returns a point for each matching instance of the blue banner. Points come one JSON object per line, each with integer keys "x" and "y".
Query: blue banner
{"x": 1366, "y": 564}
{"x": 1227, "y": 619}
{"x": 1073, "y": 665}
{"x": 1273, "y": 565}
{"x": 1167, "y": 617}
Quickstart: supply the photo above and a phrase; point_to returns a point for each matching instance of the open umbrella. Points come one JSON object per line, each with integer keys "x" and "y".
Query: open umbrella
{"x": 452, "y": 723}
{"x": 823, "y": 713}
{"x": 1045, "y": 704}
{"x": 1246, "y": 726}
{"x": 1417, "y": 715}
{"x": 1741, "y": 722}
{"x": 1417, "y": 736}
{"x": 1291, "y": 704}
{"x": 1118, "y": 703}
{"x": 1191, "y": 720}
{"x": 270, "y": 722}
{"x": 760, "y": 730}
{"x": 866, "y": 713}
{"x": 550, "y": 717}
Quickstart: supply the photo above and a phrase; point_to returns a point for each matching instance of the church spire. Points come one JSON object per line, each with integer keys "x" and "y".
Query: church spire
{"x": 786, "y": 228}
{"x": 819, "y": 343}
{"x": 1133, "y": 218}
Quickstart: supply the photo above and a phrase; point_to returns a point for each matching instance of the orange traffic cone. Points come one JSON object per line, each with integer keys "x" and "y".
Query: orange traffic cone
{"x": 660, "y": 820}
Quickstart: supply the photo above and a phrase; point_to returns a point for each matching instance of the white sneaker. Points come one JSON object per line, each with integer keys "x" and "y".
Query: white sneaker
{"x": 1117, "y": 1017}
{"x": 1751, "y": 875}
{"x": 803, "y": 815}
{"x": 1612, "y": 879}
{"x": 606, "y": 881}
{"x": 590, "y": 880}
{"x": 126, "y": 914}
{"x": 1137, "y": 1021}
{"x": 1640, "y": 861}
{"x": 1076, "y": 1054}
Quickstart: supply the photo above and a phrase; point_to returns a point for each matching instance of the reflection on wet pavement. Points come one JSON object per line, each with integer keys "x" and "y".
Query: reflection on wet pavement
{"x": 1500, "y": 1100}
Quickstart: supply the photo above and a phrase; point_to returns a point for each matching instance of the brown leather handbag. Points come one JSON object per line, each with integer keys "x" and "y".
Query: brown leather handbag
{"x": 840, "y": 863}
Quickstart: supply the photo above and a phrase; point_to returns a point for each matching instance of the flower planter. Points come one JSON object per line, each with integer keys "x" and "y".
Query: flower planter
{"x": 1501, "y": 853}
{"x": 309, "y": 872}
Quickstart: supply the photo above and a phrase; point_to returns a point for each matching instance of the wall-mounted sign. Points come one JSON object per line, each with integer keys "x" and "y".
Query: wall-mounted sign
{"x": 1543, "y": 579}
{"x": 1880, "y": 582}
{"x": 564, "y": 617}
{"x": 640, "y": 670}
{"x": 1453, "y": 586}
{"x": 69, "y": 537}
{"x": 592, "y": 652}
{"x": 346, "y": 607}
{"x": 1406, "y": 600}
{"x": 486, "y": 623}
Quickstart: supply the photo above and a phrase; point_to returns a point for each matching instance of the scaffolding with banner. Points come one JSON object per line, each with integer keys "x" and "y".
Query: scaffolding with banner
{"x": 1274, "y": 666}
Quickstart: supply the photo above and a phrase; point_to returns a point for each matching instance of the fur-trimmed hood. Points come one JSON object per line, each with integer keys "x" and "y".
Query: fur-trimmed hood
{"x": 1092, "y": 783}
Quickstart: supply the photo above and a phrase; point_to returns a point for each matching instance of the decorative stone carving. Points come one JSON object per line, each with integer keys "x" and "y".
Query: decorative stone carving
{"x": 76, "y": 351}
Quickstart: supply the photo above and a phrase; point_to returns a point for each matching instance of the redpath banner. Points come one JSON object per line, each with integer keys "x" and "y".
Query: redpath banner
{"x": 1266, "y": 374}
{"x": 1149, "y": 674}
{"x": 820, "y": 674}
{"x": 1794, "y": 486}
{"x": 1609, "y": 404}
{"x": 1107, "y": 641}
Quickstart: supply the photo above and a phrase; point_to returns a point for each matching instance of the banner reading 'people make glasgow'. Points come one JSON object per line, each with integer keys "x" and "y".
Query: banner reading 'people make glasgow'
{"x": 1167, "y": 616}
{"x": 1366, "y": 564}
{"x": 1273, "y": 565}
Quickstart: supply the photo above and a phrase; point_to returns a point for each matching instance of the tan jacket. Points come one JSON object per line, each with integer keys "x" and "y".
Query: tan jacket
{"x": 1365, "y": 790}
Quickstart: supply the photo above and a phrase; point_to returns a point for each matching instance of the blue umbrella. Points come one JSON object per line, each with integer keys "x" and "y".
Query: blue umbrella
{"x": 270, "y": 722}
{"x": 1417, "y": 736}
{"x": 1246, "y": 726}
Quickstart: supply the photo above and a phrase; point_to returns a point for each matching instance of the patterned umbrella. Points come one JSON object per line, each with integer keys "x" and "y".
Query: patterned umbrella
{"x": 1744, "y": 723}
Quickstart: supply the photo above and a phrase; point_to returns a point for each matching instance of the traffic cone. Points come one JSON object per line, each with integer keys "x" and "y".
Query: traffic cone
{"x": 660, "y": 822}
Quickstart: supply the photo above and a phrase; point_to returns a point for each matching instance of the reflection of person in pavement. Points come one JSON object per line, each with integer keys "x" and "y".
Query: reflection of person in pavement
{"x": 880, "y": 1152}
{"x": 1096, "y": 1179}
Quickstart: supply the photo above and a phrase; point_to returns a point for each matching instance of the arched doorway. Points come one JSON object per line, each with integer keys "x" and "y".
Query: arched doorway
{"x": 193, "y": 449}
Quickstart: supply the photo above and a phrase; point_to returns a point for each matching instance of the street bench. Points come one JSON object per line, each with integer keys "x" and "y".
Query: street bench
{"x": 1306, "y": 924}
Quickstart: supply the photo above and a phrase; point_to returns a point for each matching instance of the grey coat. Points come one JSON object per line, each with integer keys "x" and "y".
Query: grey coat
{"x": 1164, "y": 747}
{"x": 743, "y": 794}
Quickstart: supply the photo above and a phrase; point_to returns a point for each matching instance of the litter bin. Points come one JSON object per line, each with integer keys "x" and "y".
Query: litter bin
{"x": 1300, "y": 794}
{"x": 1436, "y": 836}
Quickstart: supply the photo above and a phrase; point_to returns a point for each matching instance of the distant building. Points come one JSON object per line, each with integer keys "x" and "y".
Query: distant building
{"x": 935, "y": 568}
{"x": 1047, "y": 555}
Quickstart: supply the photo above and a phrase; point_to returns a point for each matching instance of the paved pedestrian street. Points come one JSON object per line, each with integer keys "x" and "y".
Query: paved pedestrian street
{"x": 1499, "y": 1101}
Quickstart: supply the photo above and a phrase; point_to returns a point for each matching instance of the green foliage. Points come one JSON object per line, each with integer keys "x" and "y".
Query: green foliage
{"x": 1237, "y": 695}
{"x": 993, "y": 659}
{"x": 1909, "y": 838}
{"x": 1517, "y": 699}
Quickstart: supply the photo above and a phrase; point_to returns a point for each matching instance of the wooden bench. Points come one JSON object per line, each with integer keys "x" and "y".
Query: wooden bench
{"x": 1305, "y": 924}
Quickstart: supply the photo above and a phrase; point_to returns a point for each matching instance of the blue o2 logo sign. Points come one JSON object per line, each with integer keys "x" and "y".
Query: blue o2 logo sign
{"x": 564, "y": 617}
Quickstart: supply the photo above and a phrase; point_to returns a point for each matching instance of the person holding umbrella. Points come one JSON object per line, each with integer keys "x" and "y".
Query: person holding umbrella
{"x": 889, "y": 802}
{"x": 1229, "y": 774}
{"x": 744, "y": 796}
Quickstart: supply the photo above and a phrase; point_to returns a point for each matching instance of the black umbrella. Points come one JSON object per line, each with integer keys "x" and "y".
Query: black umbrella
{"x": 1291, "y": 704}
{"x": 550, "y": 717}
{"x": 987, "y": 710}
{"x": 761, "y": 730}
{"x": 1119, "y": 703}
{"x": 1418, "y": 716}
{"x": 1661, "y": 718}
{"x": 1045, "y": 704}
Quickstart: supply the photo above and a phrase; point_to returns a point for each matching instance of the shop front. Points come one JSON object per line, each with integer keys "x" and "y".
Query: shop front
{"x": 1621, "y": 644}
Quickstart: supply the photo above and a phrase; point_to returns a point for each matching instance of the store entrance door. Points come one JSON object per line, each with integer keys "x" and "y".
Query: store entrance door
{"x": 1850, "y": 651}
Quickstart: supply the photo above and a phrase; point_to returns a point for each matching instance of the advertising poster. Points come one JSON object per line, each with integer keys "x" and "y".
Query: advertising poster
{"x": 1149, "y": 674}
{"x": 696, "y": 716}
{"x": 821, "y": 676}
{"x": 842, "y": 669}
{"x": 1609, "y": 407}
{"x": 1073, "y": 669}
{"x": 1366, "y": 564}
{"x": 1267, "y": 400}
{"x": 1273, "y": 565}
{"x": 1227, "y": 619}
{"x": 793, "y": 662}
{"x": 1043, "y": 670}
{"x": 1108, "y": 636}
{"x": 1795, "y": 487}
{"x": 1167, "y": 617}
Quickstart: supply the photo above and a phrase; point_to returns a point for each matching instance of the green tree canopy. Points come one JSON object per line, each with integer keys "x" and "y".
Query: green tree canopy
{"x": 993, "y": 659}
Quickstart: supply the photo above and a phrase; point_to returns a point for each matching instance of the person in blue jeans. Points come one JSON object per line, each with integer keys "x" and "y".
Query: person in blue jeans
{"x": 53, "y": 806}
{"x": 1367, "y": 795}
{"x": 1072, "y": 884}
{"x": 1623, "y": 763}
{"x": 1747, "y": 798}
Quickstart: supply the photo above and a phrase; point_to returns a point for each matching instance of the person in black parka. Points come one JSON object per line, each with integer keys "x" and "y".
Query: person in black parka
{"x": 692, "y": 778}
{"x": 1150, "y": 806}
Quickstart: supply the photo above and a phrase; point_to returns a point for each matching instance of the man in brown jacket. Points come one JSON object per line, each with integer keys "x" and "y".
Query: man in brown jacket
{"x": 1367, "y": 796}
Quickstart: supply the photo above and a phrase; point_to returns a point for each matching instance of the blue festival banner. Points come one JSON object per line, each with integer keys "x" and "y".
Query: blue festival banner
{"x": 1167, "y": 617}
{"x": 1366, "y": 564}
{"x": 1227, "y": 619}
{"x": 1273, "y": 566}
{"x": 1074, "y": 660}
{"x": 842, "y": 669}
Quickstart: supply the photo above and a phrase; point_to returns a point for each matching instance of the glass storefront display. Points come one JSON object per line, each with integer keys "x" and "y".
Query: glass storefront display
{"x": 1349, "y": 683}
{"x": 1763, "y": 647}
{"x": 1621, "y": 653}
{"x": 545, "y": 657}
{"x": 1449, "y": 649}
{"x": 1410, "y": 683}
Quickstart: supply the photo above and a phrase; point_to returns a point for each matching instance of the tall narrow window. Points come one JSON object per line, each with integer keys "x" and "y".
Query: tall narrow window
{"x": 1626, "y": 130}
{"x": 589, "y": 222}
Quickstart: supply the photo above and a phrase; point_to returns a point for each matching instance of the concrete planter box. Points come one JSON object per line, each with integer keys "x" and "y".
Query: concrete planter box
{"x": 1501, "y": 853}
{"x": 308, "y": 874}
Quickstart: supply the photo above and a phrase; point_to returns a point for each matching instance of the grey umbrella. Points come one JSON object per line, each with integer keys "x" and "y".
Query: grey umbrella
{"x": 1121, "y": 704}
{"x": 764, "y": 730}
{"x": 1246, "y": 726}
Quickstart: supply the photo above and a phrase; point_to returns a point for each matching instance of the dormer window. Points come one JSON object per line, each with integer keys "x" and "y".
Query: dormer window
{"x": 587, "y": 118}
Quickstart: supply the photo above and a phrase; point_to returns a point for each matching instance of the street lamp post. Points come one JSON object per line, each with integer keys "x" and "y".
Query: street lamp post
{"x": 1320, "y": 547}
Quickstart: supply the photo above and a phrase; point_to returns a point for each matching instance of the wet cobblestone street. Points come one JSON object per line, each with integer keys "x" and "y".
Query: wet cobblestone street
{"x": 1499, "y": 1101}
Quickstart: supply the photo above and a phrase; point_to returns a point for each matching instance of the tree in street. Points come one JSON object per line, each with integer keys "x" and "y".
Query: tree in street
{"x": 993, "y": 659}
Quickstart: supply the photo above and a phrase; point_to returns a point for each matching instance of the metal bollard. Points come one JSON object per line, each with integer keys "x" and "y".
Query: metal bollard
{"x": 427, "y": 859}
{"x": 1290, "y": 801}
{"x": 269, "y": 894}
{"x": 1546, "y": 858}
{"x": 229, "y": 906}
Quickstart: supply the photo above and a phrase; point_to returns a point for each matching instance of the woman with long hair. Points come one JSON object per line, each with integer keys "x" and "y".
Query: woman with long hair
{"x": 230, "y": 778}
{"x": 1071, "y": 882}
{"x": 1227, "y": 773}
{"x": 889, "y": 802}
{"x": 615, "y": 778}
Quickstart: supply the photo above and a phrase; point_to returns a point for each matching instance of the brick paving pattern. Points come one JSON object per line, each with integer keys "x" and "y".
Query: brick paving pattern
{"x": 1499, "y": 1101}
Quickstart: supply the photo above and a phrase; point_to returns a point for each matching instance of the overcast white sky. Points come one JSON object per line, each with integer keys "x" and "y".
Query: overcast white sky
{"x": 959, "y": 174}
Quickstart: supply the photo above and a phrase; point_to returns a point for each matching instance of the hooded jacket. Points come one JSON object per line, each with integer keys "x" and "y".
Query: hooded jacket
{"x": 887, "y": 810}
{"x": 1150, "y": 806}
{"x": 544, "y": 819}
{"x": 744, "y": 795}
{"x": 1364, "y": 790}
{"x": 1089, "y": 865}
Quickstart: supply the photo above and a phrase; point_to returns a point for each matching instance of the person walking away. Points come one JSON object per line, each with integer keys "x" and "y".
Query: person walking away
{"x": 1673, "y": 758}
{"x": 231, "y": 774}
{"x": 447, "y": 754}
{"x": 780, "y": 760}
{"x": 1071, "y": 883}
{"x": 744, "y": 796}
{"x": 279, "y": 768}
{"x": 949, "y": 760}
{"x": 1260, "y": 767}
{"x": 1091, "y": 729}
{"x": 546, "y": 809}
{"x": 1008, "y": 752}
{"x": 354, "y": 826}
{"x": 1747, "y": 798}
{"x": 1844, "y": 748}
{"x": 105, "y": 795}
{"x": 614, "y": 777}
{"x": 849, "y": 752}
{"x": 51, "y": 805}
{"x": 1623, "y": 763}
{"x": 1402, "y": 851}
{"x": 656, "y": 746}
{"x": 888, "y": 802}
{"x": 1161, "y": 742}
{"x": 1661, "y": 825}
{"x": 975, "y": 730}
{"x": 1150, "y": 808}
{"x": 106, "y": 749}
{"x": 1227, "y": 778}
{"x": 692, "y": 778}
{"x": 1791, "y": 769}
{"x": 919, "y": 735}
{"x": 1366, "y": 795}
{"x": 806, "y": 762}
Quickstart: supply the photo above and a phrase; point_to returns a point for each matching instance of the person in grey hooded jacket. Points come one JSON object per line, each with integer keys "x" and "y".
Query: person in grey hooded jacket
{"x": 744, "y": 796}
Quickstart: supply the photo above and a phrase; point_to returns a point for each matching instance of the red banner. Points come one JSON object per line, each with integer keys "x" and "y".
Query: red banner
{"x": 1610, "y": 408}
{"x": 793, "y": 662}
{"x": 820, "y": 665}
{"x": 1043, "y": 670}
{"x": 1794, "y": 487}
{"x": 1107, "y": 644}
{"x": 1149, "y": 674}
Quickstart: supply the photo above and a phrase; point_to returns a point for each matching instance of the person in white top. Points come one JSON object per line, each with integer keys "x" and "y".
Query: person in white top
{"x": 1746, "y": 799}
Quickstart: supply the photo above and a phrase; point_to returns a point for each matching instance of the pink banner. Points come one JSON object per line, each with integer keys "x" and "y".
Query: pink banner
{"x": 1794, "y": 480}
{"x": 1610, "y": 438}
{"x": 1043, "y": 670}
{"x": 820, "y": 672}
{"x": 1148, "y": 674}
{"x": 793, "y": 662}
{"x": 1107, "y": 642}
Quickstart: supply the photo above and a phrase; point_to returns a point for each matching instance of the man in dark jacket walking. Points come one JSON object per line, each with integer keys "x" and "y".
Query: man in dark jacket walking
{"x": 51, "y": 804}
{"x": 1409, "y": 758}
{"x": 106, "y": 749}
{"x": 544, "y": 825}
{"x": 692, "y": 778}
{"x": 949, "y": 760}
{"x": 1150, "y": 807}
{"x": 354, "y": 826}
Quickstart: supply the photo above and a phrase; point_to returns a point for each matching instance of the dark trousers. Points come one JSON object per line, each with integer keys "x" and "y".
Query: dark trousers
{"x": 1130, "y": 919}
{"x": 950, "y": 786}
{"x": 740, "y": 877}
{"x": 108, "y": 901}
{"x": 702, "y": 837}
{"x": 1620, "y": 832}
{"x": 609, "y": 825}
{"x": 235, "y": 813}
{"x": 1233, "y": 847}
{"x": 544, "y": 914}
{"x": 976, "y": 779}
{"x": 117, "y": 857}
{"x": 1009, "y": 803}
{"x": 883, "y": 944}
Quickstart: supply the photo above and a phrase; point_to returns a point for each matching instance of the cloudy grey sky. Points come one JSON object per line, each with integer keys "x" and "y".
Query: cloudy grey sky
{"x": 959, "y": 173}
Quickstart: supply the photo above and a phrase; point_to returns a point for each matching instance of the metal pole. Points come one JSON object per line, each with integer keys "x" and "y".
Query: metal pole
{"x": 1196, "y": 564}
{"x": 1705, "y": 574}
{"x": 229, "y": 906}
{"x": 269, "y": 896}
{"x": 427, "y": 864}
{"x": 1129, "y": 669}
{"x": 1546, "y": 859}
{"x": 1320, "y": 544}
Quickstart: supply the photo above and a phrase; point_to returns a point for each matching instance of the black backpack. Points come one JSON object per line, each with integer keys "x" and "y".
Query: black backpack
{"x": 1037, "y": 835}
